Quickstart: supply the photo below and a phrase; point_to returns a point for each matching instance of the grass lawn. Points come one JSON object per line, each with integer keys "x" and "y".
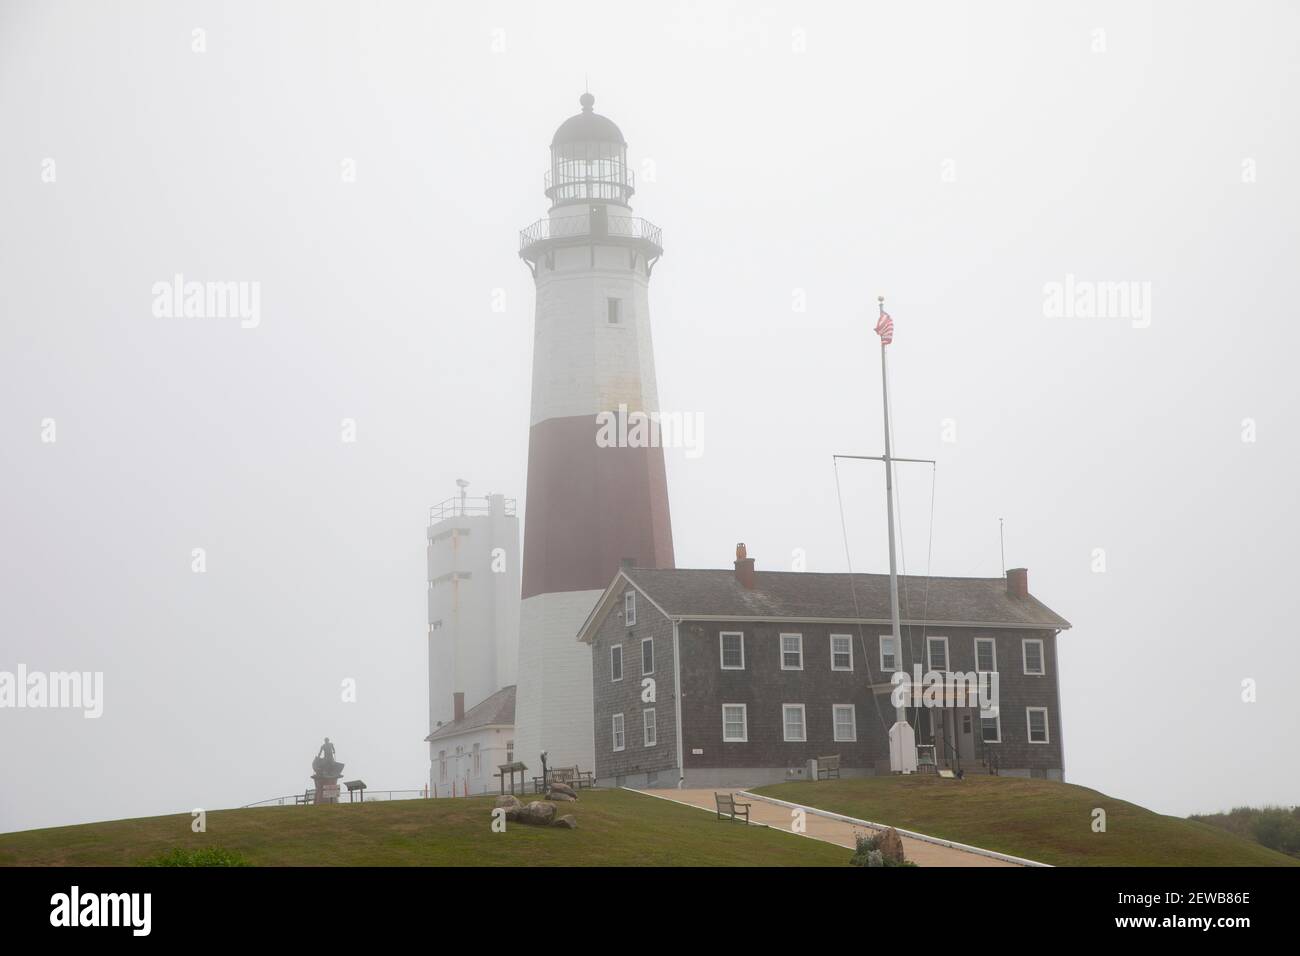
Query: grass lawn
{"x": 1039, "y": 819}
{"x": 615, "y": 828}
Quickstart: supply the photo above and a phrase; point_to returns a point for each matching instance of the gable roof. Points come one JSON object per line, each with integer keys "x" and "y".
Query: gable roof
{"x": 495, "y": 711}
{"x": 684, "y": 593}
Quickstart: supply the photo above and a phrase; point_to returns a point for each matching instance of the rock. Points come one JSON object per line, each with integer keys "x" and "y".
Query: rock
{"x": 509, "y": 801}
{"x": 560, "y": 795}
{"x": 539, "y": 813}
{"x": 568, "y": 820}
{"x": 891, "y": 846}
{"x": 558, "y": 787}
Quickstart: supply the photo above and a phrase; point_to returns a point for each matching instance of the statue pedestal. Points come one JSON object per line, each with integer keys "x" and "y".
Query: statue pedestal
{"x": 327, "y": 788}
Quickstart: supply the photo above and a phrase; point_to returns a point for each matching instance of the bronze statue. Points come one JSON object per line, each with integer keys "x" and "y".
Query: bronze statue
{"x": 325, "y": 764}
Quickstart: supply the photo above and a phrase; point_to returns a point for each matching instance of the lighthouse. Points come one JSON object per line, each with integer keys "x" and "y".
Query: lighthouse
{"x": 591, "y": 504}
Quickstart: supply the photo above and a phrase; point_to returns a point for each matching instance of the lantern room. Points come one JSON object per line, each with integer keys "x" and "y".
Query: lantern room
{"x": 588, "y": 160}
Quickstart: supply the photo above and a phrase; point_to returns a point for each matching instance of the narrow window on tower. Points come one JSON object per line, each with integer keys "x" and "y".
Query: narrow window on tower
{"x": 615, "y": 307}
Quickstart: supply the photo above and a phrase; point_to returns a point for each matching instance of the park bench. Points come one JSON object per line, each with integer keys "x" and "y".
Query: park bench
{"x": 828, "y": 767}
{"x": 727, "y": 804}
{"x": 572, "y": 776}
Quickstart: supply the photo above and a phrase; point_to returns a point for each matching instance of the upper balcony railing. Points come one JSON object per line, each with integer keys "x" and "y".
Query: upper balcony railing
{"x": 597, "y": 226}
{"x": 583, "y": 180}
{"x": 461, "y": 507}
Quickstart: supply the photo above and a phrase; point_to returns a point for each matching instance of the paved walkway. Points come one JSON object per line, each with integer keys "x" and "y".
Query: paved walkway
{"x": 832, "y": 831}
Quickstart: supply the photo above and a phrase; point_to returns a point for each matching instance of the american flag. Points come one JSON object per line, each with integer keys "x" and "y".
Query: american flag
{"x": 885, "y": 328}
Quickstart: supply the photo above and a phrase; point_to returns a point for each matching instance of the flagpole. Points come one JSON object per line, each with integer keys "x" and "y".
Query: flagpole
{"x": 902, "y": 738}
{"x": 900, "y": 713}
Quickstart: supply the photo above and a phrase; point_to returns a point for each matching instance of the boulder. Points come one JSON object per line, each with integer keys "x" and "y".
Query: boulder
{"x": 560, "y": 795}
{"x": 558, "y": 787}
{"x": 568, "y": 820}
{"x": 538, "y": 813}
{"x": 891, "y": 846}
{"x": 509, "y": 801}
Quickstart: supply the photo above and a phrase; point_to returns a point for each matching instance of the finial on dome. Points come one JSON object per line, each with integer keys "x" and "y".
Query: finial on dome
{"x": 587, "y": 101}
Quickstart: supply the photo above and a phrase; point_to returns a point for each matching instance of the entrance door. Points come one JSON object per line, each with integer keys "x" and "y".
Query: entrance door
{"x": 967, "y": 727}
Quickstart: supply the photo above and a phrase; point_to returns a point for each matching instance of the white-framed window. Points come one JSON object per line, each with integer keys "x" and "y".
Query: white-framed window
{"x": 616, "y": 663}
{"x": 991, "y": 729}
{"x": 1031, "y": 653}
{"x": 647, "y": 655}
{"x": 442, "y": 765}
{"x": 629, "y": 608}
{"x": 1036, "y": 718}
{"x": 936, "y": 650}
{"x": 793, "y": 725}
{"x": 614, "y": 310}
{"x": 649, "y": 729}
{"x": 732, "y": 645}
{"x": 888, "y": 656}
{"x": 617, "y": 737}
{"x": 510, "y": 751}
{"x": 791, "y": 652}
{"x": 986, "y": 654}
{"x": 478, "y": 761}
{"x": 841, "y": 652}
{"x": 845, "y": 720}
{"x": 735, "y": 723}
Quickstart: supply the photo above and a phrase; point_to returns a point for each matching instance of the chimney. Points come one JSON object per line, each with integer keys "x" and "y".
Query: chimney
{"x": 1018, "y": 582}
{"x": 627, "y": 564}
{"x": 458, "y": 705}
{"x": 744, "y": 568}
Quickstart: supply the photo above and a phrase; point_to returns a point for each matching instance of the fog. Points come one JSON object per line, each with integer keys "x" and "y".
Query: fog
{"x": 369, "y": 166}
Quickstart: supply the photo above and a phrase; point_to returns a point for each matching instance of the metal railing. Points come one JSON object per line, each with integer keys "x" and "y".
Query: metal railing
{"x": 589, "y": 179}
{"x": 297, "y": 799}
{"x": 459, "y": 507}
{"x": 568, "y": 227}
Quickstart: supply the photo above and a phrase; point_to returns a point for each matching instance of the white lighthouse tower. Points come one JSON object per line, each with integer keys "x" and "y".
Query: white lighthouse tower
{"x": 589, "y": 507}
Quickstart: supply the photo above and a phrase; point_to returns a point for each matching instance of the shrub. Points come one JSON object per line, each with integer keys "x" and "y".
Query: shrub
{"x": 1278, "y": 830}
{"x": 870, "y": 851}
{"x": 207, "y": 856}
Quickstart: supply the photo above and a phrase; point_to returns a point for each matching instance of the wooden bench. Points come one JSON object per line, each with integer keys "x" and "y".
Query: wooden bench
{"x": 828, "y": 767}
{"x": 575, "y": 778}
{"x": 727, "y": 804}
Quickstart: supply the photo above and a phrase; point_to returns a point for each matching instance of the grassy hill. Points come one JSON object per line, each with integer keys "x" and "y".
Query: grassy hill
{"x": 1044, "y": 821}
{"x": 615, "y": 828}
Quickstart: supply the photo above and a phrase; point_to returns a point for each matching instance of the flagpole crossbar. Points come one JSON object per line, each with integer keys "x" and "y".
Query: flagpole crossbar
{"x": 923, "y": 461}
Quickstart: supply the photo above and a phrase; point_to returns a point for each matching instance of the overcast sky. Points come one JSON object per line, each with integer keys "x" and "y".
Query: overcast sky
{"x": 955, "y": 158}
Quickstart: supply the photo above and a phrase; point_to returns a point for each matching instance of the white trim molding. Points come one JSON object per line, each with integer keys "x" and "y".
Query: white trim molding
{"x": 1024, "y": 656}
{"x": 1029, "y": 726}
{"x": 848, "y": 638}
{"x": 893, "y": 652}
{"x": 803, "y": 724}
{"x": 744, "y": 725}
{"x": 722, "y": 650}
{"x": 947, "y": 656}
{"x": 835, "y": 723}
{"x": 784, "y": 665}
